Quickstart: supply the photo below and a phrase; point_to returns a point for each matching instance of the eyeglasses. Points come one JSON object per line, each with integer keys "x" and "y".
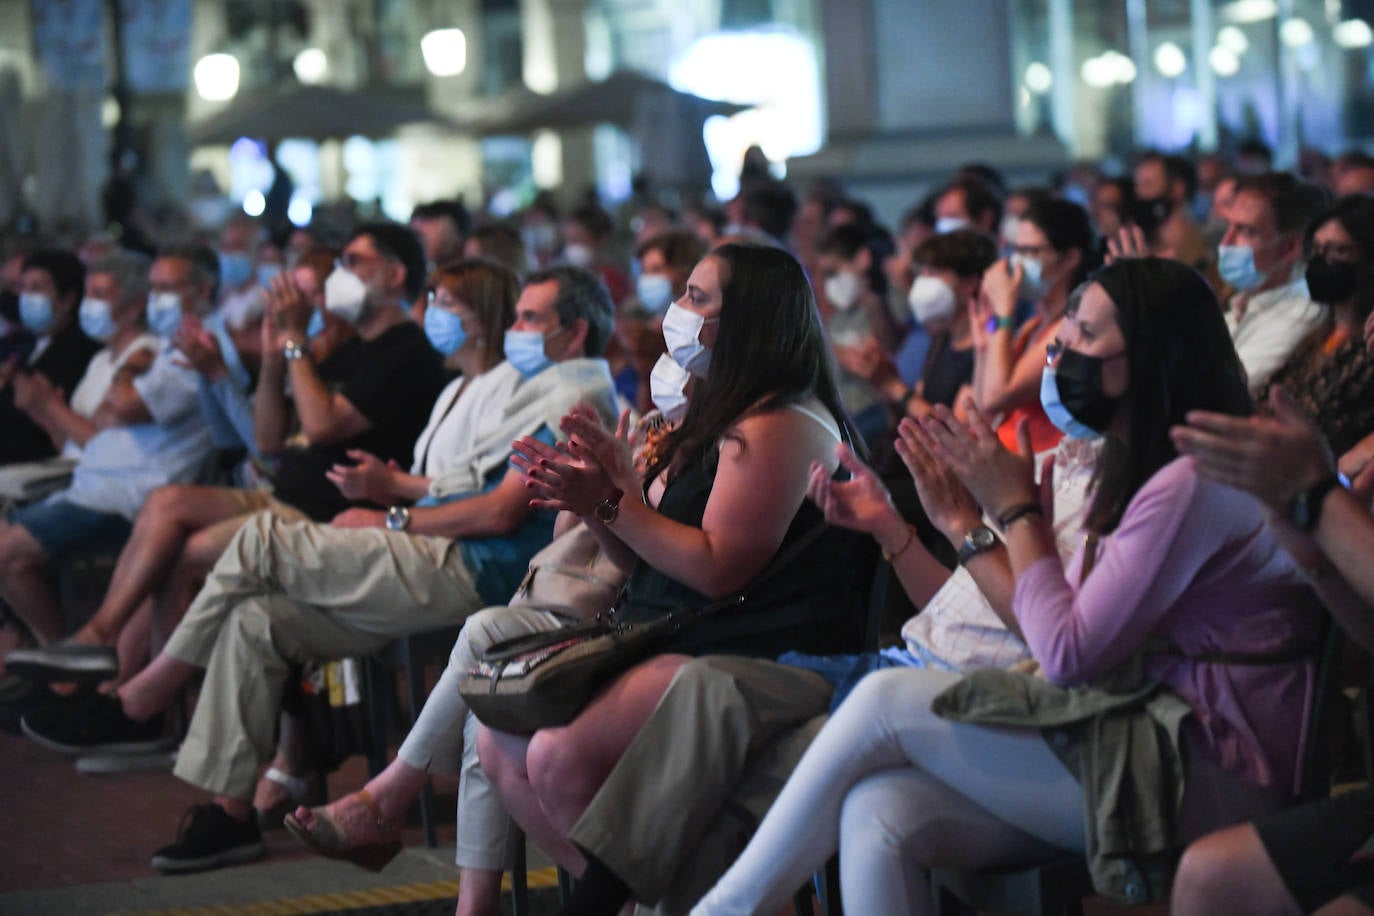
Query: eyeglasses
{"x": 444, "y": 301}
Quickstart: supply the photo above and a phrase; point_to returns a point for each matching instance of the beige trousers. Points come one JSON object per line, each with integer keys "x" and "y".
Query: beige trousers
{"x": 700, "y": 775}
{"x": 285, "y": 592}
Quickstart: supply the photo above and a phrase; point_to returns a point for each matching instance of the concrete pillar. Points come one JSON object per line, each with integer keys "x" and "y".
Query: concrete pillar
{"x": 555, "y": 44}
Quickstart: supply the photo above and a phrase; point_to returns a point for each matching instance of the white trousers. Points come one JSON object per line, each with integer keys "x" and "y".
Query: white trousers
{"x": 897, "y": 790}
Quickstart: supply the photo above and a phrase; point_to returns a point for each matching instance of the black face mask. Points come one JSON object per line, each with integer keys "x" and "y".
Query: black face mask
{"x": 1149, "y": 213}
{"x": 9, "y": 307}
{"x": 1079, "y": 379}
{"x": 1330, "y": 282}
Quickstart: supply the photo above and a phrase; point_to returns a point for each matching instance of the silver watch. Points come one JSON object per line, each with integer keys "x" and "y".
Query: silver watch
{"x": 979, "y": 540}
{"x": 292, "y": 350}
{"x": 397, "y": 518}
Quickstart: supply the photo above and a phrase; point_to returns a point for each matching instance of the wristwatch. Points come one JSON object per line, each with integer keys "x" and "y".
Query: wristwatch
{"x": 292, "y": 350}
{"x": 979, "y": 540}
{"x": 608, "y": 510}
{"x": 1306, "y": 508}
{"x": 397, "y": 518}
{"x": 998, "y": 322}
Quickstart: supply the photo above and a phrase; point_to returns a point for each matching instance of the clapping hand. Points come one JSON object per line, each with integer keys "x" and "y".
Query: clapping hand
{"x": 949, "y": 505}
{"x": 288, "y": 308}
{"x": 861, "y": 503}
{"x": 33, "y": 392}
{"x": 589, "y": 438}
{"x": 560, "y": 480}
{"x": 997, "y": 478}
{"x": 1129, "y": 242}
{"x": 199, "y": 350}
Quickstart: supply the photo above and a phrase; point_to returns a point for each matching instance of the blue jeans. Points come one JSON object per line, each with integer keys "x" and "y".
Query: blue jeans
{"x": 845, "y": 671}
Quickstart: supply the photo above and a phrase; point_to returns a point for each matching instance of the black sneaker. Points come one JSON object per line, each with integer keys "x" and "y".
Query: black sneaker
{"x": 65, "y": 662}
{"x": 18, "y": 698}
{"x": 91, "y": 723}
{"x": 209, "y": 838}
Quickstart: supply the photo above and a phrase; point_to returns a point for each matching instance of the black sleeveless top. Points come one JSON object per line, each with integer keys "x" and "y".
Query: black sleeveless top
{"x": 811, "y": 605}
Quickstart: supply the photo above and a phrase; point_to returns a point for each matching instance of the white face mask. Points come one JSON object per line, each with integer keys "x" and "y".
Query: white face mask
{"x": 345, "y": 294}
{"x": 1010, "y": 226}
{"x": 655, "y": 291}
{"x": 579, "y": 255}
{"x": 931, "y": 299}
{"x": 843, "y": 289}
{"x": 668, "y": 388}
{"x": 949, "y": 224}
{"x": 682, "y": 334}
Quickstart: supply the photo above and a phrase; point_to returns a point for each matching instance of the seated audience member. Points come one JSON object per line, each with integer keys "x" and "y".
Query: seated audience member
{"x": 1260, "y": 258}
{"x": 1018, "y": 202}
{"x": 968, "y": 202}
{"x": 725, "y": 496}
{"x": 665, "y": 262}
{"x": 860, "y": 328}
{"x": 112, "y": 313}
{"x": 941, "y": 301}
{"x": 242, "y": 299}
{"x": 587, "y": 233}
{"x": 1164, "y": 189}
{"x": 50, "y": 288}
{"x": 1113, "y": 199}
{"x": 1330, "y": 373}
{"x": 1054, "y": 252}
{"x": 442, "y": 226}
{"x": 371, "y": 396}
{"x": 148, "y": 433}
{"x": 1305, "y": 858}
{"x": 1171, "y": 559}
{"x": 1353, "y": 173}
{"x": 286, "y": 592}
{"x": 767, "y": 207}
{"x": 498, "y": 242}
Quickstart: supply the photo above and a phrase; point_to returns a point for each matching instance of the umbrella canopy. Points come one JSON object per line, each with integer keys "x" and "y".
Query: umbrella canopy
{"x": 620, "y": 99}
{"x": 313, "y": 113}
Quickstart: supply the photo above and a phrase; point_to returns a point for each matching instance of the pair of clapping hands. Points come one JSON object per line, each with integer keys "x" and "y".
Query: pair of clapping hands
{"x": 593, "y": 464}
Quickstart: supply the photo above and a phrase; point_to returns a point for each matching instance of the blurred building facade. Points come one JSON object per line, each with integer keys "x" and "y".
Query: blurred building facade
{"x": 885, "y": 94}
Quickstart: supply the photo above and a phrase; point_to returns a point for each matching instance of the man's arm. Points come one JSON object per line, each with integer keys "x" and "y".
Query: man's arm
{"x": 496, "y": 513}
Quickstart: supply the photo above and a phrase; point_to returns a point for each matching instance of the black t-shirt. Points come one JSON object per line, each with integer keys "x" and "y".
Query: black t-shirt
{"x": 391, "y": 380}
{"x": 63, "y": 363}
{"x": 946, "y": 371}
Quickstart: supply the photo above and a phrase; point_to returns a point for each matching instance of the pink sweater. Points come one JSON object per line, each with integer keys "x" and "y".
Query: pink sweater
{"x": 1193, "y": 562}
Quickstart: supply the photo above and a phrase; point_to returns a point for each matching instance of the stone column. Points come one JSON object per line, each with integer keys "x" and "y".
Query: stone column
{"x": 555, "y": 48}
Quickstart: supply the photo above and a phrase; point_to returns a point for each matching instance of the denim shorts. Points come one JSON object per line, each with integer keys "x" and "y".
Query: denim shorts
{"x": 61, "y": 527}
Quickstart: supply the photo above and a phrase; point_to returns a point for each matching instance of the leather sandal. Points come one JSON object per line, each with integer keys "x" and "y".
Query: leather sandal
{"x": 329, "y": 839}
{"x": 300, "y": 790}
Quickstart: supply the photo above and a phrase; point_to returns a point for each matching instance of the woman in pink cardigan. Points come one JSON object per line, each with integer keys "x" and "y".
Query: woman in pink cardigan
{"x": 1177, "y": 571}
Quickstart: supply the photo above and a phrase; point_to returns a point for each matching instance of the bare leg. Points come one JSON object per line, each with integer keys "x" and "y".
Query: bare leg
{"x": 394, "y": 789}
{"x": 155, "y": 688}
{"x": 548, "y": 780}
{"x": 1229, "y": 871}
{"x": 479, "y": 892}
{"x": 24, "y": 583}
{"x": 289, "y": 759}
{"x": 170, "y": 515}
{"x": 135, "y": 642}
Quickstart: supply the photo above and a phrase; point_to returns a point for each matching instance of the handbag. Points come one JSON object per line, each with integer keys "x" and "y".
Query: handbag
{"x": 542, "y": 680}
{"x": 571, "y": 576}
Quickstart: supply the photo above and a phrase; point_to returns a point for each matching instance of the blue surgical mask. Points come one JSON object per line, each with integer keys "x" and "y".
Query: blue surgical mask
{"x": 1058, "y": 414}
{"x": 445, "y": 330}
{"x": 1033, "y": 284}
{"x": 35, "y": 310}
{"x": 1236, "y": 264}
{"x": 525, "y": 351}
{"x": 235, "y": 269}
{"x": 316, "y": 326}
{"x": 164, "y": 313}
{"x": 266, "y": 272}
{"x": 950, "y": 224}
{"x": 655, "y": 291}
{"x": 97, "y": 319}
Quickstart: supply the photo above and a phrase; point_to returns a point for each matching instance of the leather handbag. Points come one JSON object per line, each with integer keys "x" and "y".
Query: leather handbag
{"x": 546, "y": 679}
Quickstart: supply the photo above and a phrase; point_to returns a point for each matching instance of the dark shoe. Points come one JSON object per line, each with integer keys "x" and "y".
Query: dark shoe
{"x": 64, "y": 662}
{"x": 19, "y": 697}
{"x": 90, "y": 723}
{"x": 210, "y": 838}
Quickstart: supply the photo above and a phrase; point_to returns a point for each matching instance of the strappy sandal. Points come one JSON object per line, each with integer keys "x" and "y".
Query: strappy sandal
{"x": 330, "y": 840}
{"x": 300, "y": 790}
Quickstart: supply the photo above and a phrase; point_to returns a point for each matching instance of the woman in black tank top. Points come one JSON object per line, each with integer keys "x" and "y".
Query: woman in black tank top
{"x": 726, "y": 493}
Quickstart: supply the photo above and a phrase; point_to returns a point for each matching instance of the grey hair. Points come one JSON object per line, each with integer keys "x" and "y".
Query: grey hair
{"x": 204, "y": 265}
{"x": 581, "y": 294}
{"x": 129, "y": 270}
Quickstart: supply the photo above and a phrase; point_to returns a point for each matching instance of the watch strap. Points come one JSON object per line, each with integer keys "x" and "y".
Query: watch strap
{"x": 978, "y": 541}
{"x": 1307, "y": 507}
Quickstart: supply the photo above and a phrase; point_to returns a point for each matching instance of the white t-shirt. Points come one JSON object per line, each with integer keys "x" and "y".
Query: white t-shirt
{"x": 464, "y": 408}
{"x": 123, "y": 464}
{"x": 100, "y": 371}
